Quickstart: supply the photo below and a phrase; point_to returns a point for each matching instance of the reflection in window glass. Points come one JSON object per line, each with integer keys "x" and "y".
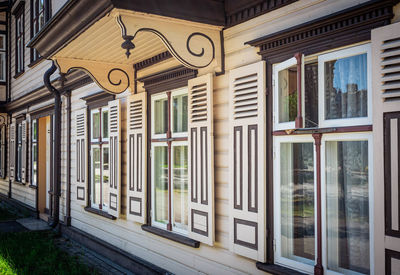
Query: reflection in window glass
{"x": 161, "y": 183}
{"x": 346, "y": 87}
{"x": 287, "y": 94}
{"x": 347, "y": 206}
{"x": 95, "y": 125}
{"x": 311, "y": 95}
{"x": 161, "y": 116}
{"x": 180, "y": 113}
{"x": 180, "y": 181}
{"x": 96, "y": 175}
{"x": 297, "y": 202}
{"x": 105, "y": 124}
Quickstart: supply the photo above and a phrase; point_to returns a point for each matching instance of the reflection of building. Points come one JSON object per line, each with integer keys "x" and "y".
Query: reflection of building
{"x": 219, "y": 208}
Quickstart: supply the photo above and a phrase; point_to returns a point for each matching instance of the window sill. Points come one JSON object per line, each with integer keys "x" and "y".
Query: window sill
{"x": 32, "y": 186}
{"x": 276, "y": 269}
{"x": 18, "y": 74}
{"x": 99, "y": 212}
{"x": 35, "y": 62}
{"x": 171, "y": 236}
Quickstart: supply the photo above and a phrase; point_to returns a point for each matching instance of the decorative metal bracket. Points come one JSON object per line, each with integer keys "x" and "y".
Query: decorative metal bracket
{"x": 194, "y": 45}
{"x": 113, "y": 78}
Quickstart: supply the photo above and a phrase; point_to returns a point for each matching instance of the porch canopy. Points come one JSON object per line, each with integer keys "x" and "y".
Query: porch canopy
{"x": 106, "y": 38}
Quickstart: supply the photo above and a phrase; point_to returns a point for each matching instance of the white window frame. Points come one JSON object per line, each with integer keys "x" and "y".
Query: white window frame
{"x": 362, "y": 136}
{"x": 178, "y": 92}
{"x": 154, "y": 98}
{"x": 92, "y": 146}
{"x": 276, "y": 69}
{"x": 34, "y": 143}
{"x": 153, "y": 201}
{"x": 339, "y": 54}
{"x": 174, "y": 228}
{"x": 278, "y": 259}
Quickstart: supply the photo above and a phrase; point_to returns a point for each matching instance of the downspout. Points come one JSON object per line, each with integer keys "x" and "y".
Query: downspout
{"x": 68, "y": 200}
{"x": 57, "y": 144}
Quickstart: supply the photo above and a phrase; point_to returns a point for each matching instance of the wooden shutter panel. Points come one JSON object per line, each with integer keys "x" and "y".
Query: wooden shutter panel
{"x": 201, "y": 159}
{"x": 12, "y": 151}
{"x": 114, "y": 131}
{"x": 386, "y": 145}
{"x": 24, "y": 153}
{"x": 3, "y": 150}
{"x": 136, "y": 158}
{"x": 247, "y": 160}
{"x": 81, "y": 157}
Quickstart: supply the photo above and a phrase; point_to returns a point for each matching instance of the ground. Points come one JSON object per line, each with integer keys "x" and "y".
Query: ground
{"x": 33, "y": 252}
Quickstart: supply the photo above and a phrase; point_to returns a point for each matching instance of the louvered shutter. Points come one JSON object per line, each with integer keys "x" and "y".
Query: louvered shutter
{"x": 201, "y": 159}
{"x": 3, "y": 150}
{"x": 12, "y": 151}
{"x": 24, "y": 170}
{"x": 247, "y": 160}
{"x": 386, "y": 144}
{"x": 136, "y": 158}
{"x": 81, "y": 157}
{"x": 115, "y": 153}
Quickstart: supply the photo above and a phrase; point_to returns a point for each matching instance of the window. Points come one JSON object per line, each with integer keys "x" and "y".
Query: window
{"x": 99, "y": 158}
{"x": 169, "y": 161}
{"x": 34, "y": 152}
{"x": 39, "y": 15}
{"x": 19, "y": 41}
{"x": 335, "y": 93}
{"x": 18, "y": 162}
{"x": 335, "y": 86}
{"x": 3, "y": 58}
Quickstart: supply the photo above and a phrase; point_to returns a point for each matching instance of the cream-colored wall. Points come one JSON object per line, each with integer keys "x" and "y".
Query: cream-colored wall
{"x": 173, "y": 256}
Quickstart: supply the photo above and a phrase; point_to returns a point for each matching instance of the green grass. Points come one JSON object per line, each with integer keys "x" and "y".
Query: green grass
{"x": 36, "y": 253}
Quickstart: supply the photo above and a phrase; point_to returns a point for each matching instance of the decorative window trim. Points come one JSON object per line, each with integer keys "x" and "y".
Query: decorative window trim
{"x": 167, "y": 80}
{"x": 342, "y": 28}
{"x": 98, "y": 99}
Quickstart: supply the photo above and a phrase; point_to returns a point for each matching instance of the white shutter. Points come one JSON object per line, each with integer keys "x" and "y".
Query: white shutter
{"x": 247, "y": 160}
{"x": 136, "y": 158}
{"x": 12, "y": 151}
{"x": 201, "y": 159}
{"x": 3, "y": 150}
{"x": 386, "y": 147}
{"x": 24, "y": 154}
{"x": 114, "y": 131}
{"x": 81, "y": 156}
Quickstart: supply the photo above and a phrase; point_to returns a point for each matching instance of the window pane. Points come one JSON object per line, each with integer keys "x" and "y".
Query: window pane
{"x": 96, "y": 175}
{"x": 297, "y": 202}
{"x": 161, "y": 183}
{"x": 34, "y": 130}
{"x": 347, "y": 206}
{"x": 106, "y": 174}
{"x": 160, "y": 116}
{"x": 105, "y": 124}
{"x": 287, "y": 83}
{"x": 180, "y": 113}
{"x": 95, "y": 125}
{"x": 180, "y": 180}
{"x": 346, "y": 87}
{"x": 311, "y": 94}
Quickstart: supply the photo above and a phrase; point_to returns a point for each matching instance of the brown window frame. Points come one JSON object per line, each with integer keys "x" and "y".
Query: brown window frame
{"x": 35, "y": 26}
